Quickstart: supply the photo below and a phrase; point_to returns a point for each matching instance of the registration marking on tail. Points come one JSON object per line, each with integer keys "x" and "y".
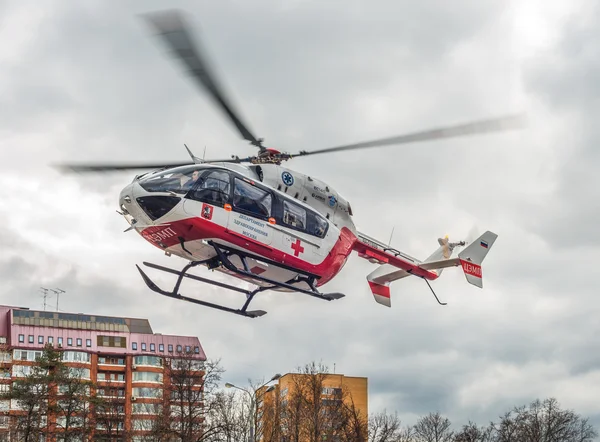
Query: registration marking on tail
{"x": 471, "y": 269}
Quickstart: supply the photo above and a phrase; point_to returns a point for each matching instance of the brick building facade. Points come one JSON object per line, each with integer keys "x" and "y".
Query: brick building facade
{"x": 127, "y": 361}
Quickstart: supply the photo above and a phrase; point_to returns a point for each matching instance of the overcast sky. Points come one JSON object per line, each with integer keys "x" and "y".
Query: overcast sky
{"x": 86, "y": 81}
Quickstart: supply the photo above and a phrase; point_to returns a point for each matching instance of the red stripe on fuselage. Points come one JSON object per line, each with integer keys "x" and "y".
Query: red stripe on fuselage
{"x": 193, "y": 229}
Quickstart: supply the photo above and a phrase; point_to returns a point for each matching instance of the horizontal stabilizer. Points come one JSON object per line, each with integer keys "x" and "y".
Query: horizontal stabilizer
{"x": 379, "y": 282}
{"x": 442, "y": 264}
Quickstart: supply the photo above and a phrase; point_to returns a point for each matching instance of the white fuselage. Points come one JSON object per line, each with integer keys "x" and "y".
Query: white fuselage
{"x": 305, "y": 230}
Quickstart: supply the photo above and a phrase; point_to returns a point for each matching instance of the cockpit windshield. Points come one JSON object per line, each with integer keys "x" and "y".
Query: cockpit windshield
{"x": 179, "y": 180}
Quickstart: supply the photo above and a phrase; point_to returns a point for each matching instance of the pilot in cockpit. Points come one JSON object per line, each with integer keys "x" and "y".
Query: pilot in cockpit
{"x": 187, "y": 183}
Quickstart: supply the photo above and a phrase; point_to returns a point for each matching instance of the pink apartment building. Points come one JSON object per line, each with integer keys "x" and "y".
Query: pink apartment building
{"x": 123, "y": 355}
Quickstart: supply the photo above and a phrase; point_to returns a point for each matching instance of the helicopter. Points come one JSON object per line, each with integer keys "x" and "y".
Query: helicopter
{"x": 266, "y": 224}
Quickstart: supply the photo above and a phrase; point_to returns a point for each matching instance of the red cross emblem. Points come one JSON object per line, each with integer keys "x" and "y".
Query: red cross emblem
{"x": 297, "y": 248}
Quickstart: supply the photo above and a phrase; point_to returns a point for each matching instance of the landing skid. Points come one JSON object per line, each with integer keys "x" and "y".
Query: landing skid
{"x": 222, "y": 259}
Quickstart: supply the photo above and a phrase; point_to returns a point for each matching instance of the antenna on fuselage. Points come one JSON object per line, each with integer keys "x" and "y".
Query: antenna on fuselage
{"x": 391, "y": 236}
{"x": 195, "y": 158}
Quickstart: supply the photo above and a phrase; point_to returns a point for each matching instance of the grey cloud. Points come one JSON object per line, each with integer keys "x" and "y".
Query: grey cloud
{"x": 562, "y": 79}
{"x": 307, "y": 77}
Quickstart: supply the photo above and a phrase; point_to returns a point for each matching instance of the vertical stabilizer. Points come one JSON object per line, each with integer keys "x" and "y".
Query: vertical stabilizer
{"x": 473, "y": 255}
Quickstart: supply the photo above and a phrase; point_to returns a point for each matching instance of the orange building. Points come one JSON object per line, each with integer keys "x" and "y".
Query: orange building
{"x": 123, "y": 357}
{"x": 352, "y": 390}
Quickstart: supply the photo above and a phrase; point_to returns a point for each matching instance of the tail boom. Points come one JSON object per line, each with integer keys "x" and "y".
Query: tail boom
{"x": 396, "y": 265}
{"x": 380, "y": 253}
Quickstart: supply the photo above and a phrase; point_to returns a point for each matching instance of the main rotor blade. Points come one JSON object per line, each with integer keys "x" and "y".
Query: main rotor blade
{"x": 173, "y": 30}
{"x": 134, "y": 166}
{"x": 113, "y": 167}
{"x": 477, "y": 127}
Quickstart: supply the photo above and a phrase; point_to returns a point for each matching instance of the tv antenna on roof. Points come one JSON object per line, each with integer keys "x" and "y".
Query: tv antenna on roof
{"x": 45, "y": 291}
{"x": 57, "y": 292}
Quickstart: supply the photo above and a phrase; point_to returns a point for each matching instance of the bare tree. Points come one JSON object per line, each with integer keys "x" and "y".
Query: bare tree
{"x": 471, "y": 432}
{"x": 273, "y": 416}
{"x": 109, "y": 411}
{"x": 433, "y": 428}
{"x": 32, "y": 394}
{"x": 384, "y": 427}
{"x": 230, "y": 416}
{"x": 355, "y": 427}
{"x": 291, "y": 416}
{"x": 543, "y": 421}
{"x": 72, "y": 405}
{"x": 191, "y": 401}
{"x": 506, "y": 430}
{"x": 312, "y": 410}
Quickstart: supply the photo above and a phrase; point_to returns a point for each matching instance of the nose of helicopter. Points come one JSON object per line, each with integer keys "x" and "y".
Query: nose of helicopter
{"x": 126, "y": 198}
{"x": 136, "y": 205}
{"x": 129, "y": 206}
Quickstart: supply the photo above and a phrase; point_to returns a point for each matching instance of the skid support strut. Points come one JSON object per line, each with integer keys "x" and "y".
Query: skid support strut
{"x": 222, "y": 259}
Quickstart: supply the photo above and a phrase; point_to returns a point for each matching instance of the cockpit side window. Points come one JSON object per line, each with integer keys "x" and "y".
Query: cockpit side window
{"x": 294, "y": 216}
{"x": 252, "y": 200}
{"x": 177, "y": 180}
{"x": 214, "y": 187}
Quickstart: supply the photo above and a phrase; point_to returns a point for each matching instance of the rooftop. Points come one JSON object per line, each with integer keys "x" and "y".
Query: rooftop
{"x": 32, "y": 329}
{"x": 25, "y": 316}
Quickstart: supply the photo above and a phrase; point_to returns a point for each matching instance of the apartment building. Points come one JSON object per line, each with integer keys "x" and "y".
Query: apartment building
{"x": 127, "y": 361}
{"x": 352, "y": 390}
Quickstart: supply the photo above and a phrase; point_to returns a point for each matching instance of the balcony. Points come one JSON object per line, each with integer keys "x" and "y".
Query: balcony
{"x": 110, "y": 377}
{"x": 112, "y": 362}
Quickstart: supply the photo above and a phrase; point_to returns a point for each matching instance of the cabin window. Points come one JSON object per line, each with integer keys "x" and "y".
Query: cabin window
{"x": 294, "y": 216}
{"x": 214, "y": 188}
{"x": 250, "y": 199}
{"x": 317, "y": 225}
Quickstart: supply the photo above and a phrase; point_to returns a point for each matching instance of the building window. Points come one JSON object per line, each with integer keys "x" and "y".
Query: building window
{"x": 170, "y": 348}
{"x": 154, "y": 361}
{"x": 111, "y": 360}
{"x": 179, "y": 349}
{"x": 70, "y": 341}
{"x": 88, "y": 342}
{"x": 75, "y": 356}
{"x": 60, "y": 340}
{"x": 134, "y": 345}
{"x": 112, "y": 341}
{"x": 21, "y": 338}
{"x": 79, "y": 342}
{"x": 196, "y": 350}
{"x": 147, "y": 392}
{"x": 188, "y": 349}
{"x": 50, "y": 340}
{"x": 152, "y": 347}
{"x": 26, "y": 355}
{"x": 143, "y": 346}
{"x": 40, "y": 339}
{"x": 31, "y": 339}
{"x": 146, "y": 376}
{"x": 161, "y": 347}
